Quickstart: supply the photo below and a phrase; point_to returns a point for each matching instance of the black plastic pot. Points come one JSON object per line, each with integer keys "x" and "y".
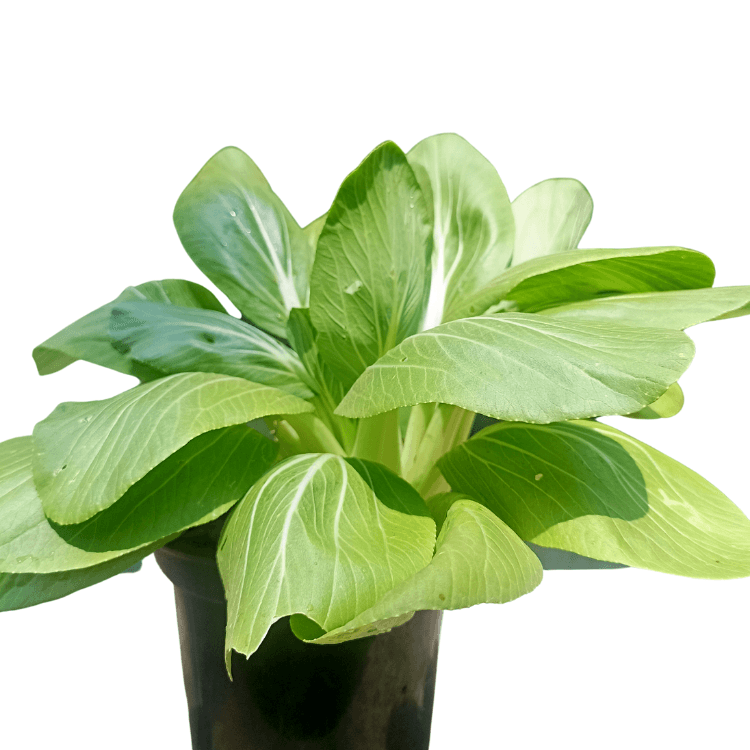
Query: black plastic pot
{"x": 370, "y": 694}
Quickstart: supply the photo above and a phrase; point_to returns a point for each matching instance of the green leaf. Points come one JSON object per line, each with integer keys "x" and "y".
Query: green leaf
{"x": 478, "y": 559}
{"x": 174, "y": 340}
{"x": 19, "y": 590}
{"x": 88, "y": 338}
{"x": 588, "y": 488}
{"x": 524, "y": 368}
{"x": 195, "y": 485}
{"x": 551, "y": 559}
{"x": 242, "y": 237}
{"x": 88, "y": 454}
{"x": 439, "y": 505}
{"x": 370, "y": 279}
{"x": 473, "y": 221}
{"x": 28, "y": 542}
{"x": 550, "y": 217}
{"x": 303, "y": 339}
{"x": 393, "y": 491}
{"x": 677, "y": 310}
{"x": 314, "y": 228}
{"x": 312, "y": 538}
{"x": 667, "y": 405}
{"x": 584, "y": 274}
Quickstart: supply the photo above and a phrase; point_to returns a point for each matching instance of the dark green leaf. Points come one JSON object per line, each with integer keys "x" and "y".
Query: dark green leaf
{"x": 88, "y": 338}
{"x": 590, "y": 489}
{"x": 174, "y": 340}
{"x": 370, "y": 279}
{"x": 585, "y": 274}
{"x": 195, "y": 485}
{"x": 87, "y": 455}
{"x": 393, "y": 491}
{"x": 303, "y": 339}
{"x": 242, "y": 237}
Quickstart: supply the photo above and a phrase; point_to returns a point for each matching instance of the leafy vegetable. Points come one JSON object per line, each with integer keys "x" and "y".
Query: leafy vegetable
{"x": 242, "y": 237}
{"x": 668, "y": 404}
{"x": 88, "y": 454}
{"x": 88, "y": 338}
{"x": 421, "y": 306}
{"x": 371, "y": 273}
{"x": 312, "y": 538}
{"x": 585, "y": 274}
{"x": 677, "y": 310}
{"x": 174, "y": 340}
{"x": 550, "y": 217}
{"x": 589, "y": 488}
{"x": 472, "y": 220}
{"x": 197, "y": 484}
{"x": 478, "y": 559}
{"x": 36, "y": 565}
{"x": 524, "y": 368}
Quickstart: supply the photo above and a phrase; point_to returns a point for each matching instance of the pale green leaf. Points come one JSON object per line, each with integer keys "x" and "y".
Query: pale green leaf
{"x": 585, "y": 274}
{"x": 88, "y": 338}
{"x": 667, "y": 405}
{"x": 314, "y": 228}
{"x": 550, "y": 217}
{"x": 370, "y": 279}
{"x": 312, "y": 538}
{"x": 677, "y": 310}
{"x": 551, "y": 559}
{"x": 589, "y": 488}
{"x": 88, "y": 454}
{"x": 195, "y": 485}
{"x": 28, "y": 542}
{"x": 174, "y": 340}
{"x": 243, "y": 238}
{"x": 473, "y": 221}
{"x": 525, "y": 368}
{"x": 478, "y": 559}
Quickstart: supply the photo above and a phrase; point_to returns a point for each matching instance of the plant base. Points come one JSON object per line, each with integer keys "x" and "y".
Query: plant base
{"x": 370, "y": 694}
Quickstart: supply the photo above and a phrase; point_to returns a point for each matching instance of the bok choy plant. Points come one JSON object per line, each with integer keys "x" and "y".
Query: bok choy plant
{"x": 327, "y": 433}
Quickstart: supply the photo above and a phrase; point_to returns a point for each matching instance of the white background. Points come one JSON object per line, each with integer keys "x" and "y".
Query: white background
{"x": 108, "y": 111}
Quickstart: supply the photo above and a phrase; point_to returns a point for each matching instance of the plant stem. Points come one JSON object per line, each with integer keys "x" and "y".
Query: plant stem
{"x": 378, "y": 440}
{"x": 419, "y": 418}
{"x": 448, "y": 427}
{"x": 306, "y": 433}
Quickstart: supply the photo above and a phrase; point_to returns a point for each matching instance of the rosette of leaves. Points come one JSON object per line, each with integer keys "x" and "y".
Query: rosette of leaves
{"x": 329, "y": 429}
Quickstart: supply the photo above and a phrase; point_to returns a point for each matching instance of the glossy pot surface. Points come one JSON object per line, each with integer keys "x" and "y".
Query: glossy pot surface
{"x": 375, "y": 693}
